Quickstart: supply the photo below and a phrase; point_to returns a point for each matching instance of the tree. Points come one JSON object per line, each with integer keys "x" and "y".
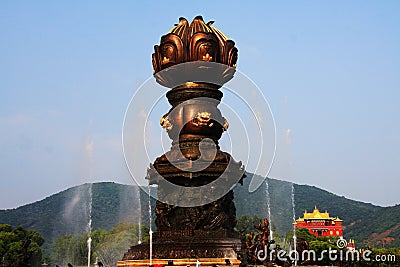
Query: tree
{"x": 247, "y": 223}
{"x": 116, "y": 242}
{"x": 65, "y": 249}
{"x": 303, "y": 232}
{"x": 107, "y": 246}
{"x": 20, "y": 247}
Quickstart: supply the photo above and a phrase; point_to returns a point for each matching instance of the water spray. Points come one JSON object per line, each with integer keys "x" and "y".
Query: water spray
{"x": 267, "y": 193}
{"x": 140, "y": 217}
{"x": 294, "y": 226}
{"x": 150, "y": 230}
{"x": 89, "y": 242}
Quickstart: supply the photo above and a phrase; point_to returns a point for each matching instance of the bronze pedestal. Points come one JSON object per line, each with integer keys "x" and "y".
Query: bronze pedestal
{"x": 195, "y": 213}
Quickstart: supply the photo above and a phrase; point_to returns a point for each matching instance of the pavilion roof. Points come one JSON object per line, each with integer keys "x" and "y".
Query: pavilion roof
{"x": 317, "y": 215}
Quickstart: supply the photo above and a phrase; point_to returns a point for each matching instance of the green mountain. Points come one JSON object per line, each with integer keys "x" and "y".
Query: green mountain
{"x": 362, "y": 221}
{"x": 366, "y": 223}
{"x": 68, "y": 211}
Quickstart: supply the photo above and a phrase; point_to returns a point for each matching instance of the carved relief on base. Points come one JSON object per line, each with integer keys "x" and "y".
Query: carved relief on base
{"x": 218, "y": 215}
{"x": 187, "y": 247}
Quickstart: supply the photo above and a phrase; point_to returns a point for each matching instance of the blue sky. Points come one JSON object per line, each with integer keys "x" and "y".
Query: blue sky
{"x": 330, "y": 71}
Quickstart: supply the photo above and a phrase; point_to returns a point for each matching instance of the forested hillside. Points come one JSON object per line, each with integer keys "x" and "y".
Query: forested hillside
{"x": 67, "y": 212}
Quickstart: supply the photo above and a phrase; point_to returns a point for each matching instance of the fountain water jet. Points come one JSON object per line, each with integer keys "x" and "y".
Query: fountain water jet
{"x": 89, "y": 153}
{"x": 150, "y": 229}
{"x": 89, "y": 226}
{"x": 294, "y": 227}
{"x": 140, "y": 215}
{"x": 267, "y": 193}
{"x": 89, "y": 242}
